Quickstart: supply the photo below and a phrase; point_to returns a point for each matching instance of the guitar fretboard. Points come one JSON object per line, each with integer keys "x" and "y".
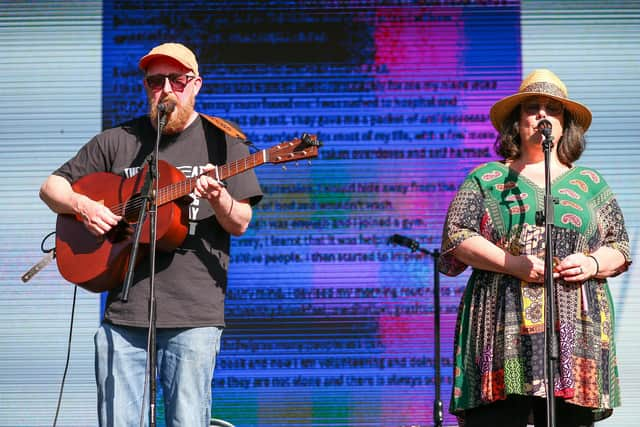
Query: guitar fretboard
{"x": 180, "y": 189}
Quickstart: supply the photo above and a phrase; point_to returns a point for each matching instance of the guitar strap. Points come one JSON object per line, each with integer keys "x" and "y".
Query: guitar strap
{"x": 225, "y": 126}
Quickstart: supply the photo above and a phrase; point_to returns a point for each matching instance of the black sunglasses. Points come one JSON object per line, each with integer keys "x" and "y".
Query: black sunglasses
{"x": 552, "y": 107}
{"x": 178, "y": 81}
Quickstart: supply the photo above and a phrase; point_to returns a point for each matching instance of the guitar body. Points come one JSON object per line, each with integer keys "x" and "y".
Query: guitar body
{"x": 100, "y": 263}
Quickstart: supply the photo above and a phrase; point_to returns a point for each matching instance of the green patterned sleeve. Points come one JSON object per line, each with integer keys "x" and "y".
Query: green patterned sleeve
{"x": 462, "y": 222}
{"x": 614, "y": 232}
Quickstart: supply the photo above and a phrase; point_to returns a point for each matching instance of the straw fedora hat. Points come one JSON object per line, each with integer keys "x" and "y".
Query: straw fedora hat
{"x": 540, "y": 83}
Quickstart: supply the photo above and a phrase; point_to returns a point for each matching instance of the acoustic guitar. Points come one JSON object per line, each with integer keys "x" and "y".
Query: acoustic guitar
{"x": 100, "y": 263}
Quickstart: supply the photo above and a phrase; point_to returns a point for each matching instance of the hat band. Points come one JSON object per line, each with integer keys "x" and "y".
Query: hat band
{"x": 545, "y": 88}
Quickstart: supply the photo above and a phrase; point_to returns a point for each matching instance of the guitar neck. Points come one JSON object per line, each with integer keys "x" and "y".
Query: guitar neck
{"x": 183, "y": 188}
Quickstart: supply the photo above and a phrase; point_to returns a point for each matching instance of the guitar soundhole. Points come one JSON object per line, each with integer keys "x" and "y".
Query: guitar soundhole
{"x": 132, "y": 208}
{"x": 122, "y": 231}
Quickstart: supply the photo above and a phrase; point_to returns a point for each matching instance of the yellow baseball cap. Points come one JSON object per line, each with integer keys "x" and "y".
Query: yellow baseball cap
{"x": 176, "y": 51}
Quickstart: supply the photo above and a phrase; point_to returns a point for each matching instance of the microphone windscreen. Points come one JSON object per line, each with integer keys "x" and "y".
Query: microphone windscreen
{"x": 166, "y": 107}
{"x": 544, "y": 126}
{"x": 404, "y": 241}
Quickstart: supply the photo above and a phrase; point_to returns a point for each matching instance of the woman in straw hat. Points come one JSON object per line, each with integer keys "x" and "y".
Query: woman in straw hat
{"x": 491, "y": 226}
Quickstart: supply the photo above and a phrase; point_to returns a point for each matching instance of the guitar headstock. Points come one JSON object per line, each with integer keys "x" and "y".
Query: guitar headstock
{"x": 305, "y": 147}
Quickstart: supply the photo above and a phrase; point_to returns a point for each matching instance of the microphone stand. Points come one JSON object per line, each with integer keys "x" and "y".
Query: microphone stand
{"x": 148, "y": 194}
{"x": 551, "y": 339}
{"x": 438, "y": 413}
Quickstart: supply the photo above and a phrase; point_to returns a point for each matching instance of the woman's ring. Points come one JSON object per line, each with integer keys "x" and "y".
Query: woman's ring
{"x": 580, "y": 269}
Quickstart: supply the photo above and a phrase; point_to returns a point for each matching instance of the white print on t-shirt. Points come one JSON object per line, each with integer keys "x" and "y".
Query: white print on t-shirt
{"x": 189, "y": 172}
{"x": 129, "y": 172}
{"x": 194, "y": 207}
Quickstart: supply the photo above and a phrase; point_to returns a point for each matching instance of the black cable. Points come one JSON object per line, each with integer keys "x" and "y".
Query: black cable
{"x": 44, "y": 239}
{"x": 66, "y": 365}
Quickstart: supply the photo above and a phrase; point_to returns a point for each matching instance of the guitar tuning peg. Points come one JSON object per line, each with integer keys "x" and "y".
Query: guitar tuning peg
{"x": 309, "y": 162}
{"x": 284, "y": 168}
{"x": 296, "y": 164}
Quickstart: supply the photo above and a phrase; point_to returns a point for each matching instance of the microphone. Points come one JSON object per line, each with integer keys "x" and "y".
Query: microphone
{"x": 166, "y": 107}
{"x": 404, "y": 241}
{"x": 544, "y": 126}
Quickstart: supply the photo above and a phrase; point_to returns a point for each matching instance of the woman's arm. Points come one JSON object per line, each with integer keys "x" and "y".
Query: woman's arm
{"x": 480, "y": 253}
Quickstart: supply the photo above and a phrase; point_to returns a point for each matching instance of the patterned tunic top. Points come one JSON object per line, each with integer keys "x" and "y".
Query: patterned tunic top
{"x": 499, "y": 343}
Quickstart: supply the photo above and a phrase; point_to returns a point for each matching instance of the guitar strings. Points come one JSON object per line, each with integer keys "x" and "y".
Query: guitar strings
{"x": 135, "y": 203}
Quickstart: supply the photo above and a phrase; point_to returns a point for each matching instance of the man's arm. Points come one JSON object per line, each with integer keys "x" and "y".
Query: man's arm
{"x": 57, "y": 193}
{"x": 233, "y": 215}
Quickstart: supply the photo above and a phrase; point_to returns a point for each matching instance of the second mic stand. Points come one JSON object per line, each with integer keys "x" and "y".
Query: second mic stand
{"x": 438, "y": 412}
{"x": 149, "y": 206}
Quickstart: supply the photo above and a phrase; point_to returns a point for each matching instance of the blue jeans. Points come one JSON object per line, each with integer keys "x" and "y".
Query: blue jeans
{"x": 185, "y": 362}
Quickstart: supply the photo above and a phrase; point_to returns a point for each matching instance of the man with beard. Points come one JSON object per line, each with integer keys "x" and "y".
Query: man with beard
{"x": 190, "y": 282}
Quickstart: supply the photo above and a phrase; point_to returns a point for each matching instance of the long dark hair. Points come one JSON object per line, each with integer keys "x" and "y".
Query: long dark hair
{"x": 569, "y": 148}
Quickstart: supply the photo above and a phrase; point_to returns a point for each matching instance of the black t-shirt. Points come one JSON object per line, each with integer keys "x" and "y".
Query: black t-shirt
{"x": 190, "y": 282}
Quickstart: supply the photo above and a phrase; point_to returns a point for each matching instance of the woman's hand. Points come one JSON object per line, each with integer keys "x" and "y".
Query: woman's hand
{"x": 576, "y": 268}
{"x": 528, "y": 268}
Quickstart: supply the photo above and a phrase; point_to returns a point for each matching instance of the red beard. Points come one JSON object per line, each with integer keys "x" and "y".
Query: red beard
{"x": 177, "y": 119}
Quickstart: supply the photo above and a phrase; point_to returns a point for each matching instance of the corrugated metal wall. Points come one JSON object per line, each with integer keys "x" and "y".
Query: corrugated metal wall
{"x": 50, "y": 104}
